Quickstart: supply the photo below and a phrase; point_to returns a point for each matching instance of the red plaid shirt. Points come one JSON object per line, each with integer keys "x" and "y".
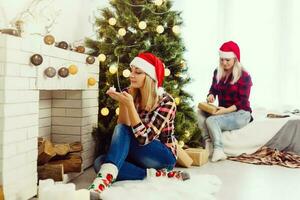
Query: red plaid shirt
{"x": 158, "y": 124}
{"x": 233, "y": 94}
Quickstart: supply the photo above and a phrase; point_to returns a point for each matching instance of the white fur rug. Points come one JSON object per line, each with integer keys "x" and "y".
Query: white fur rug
{"x": 199, "y": 187}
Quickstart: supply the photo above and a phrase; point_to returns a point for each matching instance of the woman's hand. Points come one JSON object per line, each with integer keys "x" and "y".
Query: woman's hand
{"x": 221, "y": 110}
{"x": 122, "y": 97}
{"x": 126, "y": 99}
{"x": 210, "y": 98}
{"x": 114, "y": 95}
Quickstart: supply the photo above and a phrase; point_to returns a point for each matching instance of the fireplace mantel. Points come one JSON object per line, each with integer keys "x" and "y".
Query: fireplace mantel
{"x": 34, "y": 105}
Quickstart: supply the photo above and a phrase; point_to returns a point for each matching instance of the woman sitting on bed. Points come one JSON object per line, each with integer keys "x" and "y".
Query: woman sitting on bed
{"x": 232, "y": 84}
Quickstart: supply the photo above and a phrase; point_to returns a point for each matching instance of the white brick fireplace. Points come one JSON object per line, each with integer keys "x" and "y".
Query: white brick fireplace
{"x": 33, "y": 105}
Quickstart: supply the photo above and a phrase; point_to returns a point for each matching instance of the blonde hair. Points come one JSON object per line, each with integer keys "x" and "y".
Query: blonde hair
{"x": 148, "y": 92}
{"x": 236, "y": 72}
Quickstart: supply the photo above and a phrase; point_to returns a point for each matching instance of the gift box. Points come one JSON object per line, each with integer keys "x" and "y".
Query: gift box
{"x": 207, "y": 107}
{"x": 183, "y": 159}
{"x": 198, "y": 155}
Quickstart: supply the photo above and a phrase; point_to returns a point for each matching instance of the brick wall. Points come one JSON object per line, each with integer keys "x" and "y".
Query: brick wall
{"x": 28, "y": 109}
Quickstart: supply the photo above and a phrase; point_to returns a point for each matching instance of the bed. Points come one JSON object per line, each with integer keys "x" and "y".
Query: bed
{"x": 255, "y": 135}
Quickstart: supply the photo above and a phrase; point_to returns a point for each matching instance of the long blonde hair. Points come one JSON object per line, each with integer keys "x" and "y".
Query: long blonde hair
{"x": 236, "y": 72}
{"x": 148, "y": 92}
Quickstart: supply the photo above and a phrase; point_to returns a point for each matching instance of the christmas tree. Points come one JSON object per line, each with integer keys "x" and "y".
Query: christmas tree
{"x": 125, "y": 29}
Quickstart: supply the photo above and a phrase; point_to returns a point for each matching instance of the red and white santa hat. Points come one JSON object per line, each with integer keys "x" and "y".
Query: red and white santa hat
{"x": 153, "y": 67}
{"x": 229, "y": 49}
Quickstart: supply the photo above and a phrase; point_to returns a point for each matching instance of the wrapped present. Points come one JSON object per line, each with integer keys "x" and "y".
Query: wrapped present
{"x": 183, "y": 159}
{"x": 207, "y": 107}
{"x": 198, "y": 155}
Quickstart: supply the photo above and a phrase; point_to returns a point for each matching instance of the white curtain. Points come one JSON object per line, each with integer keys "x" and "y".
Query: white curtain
{"x": 268, "y": 33}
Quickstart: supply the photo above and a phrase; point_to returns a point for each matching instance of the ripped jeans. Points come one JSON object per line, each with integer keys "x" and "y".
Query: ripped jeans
{"x": 212, "y": 126}
{"x": 131, "y": 158}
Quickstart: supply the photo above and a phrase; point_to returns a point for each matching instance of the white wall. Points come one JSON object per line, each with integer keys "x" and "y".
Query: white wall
{"x": 73, "y": 23}
{"x": 267, "y": 32}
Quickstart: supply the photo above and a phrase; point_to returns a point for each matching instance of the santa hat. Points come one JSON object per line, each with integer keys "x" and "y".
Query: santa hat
{"x": 230, "y": 50}
{"x": 153, "y": 67}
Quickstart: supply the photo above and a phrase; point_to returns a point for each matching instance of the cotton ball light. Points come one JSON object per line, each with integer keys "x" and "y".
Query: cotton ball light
{"x": 158, "y": 2}
{"x": 142, "y": 25}
{"x": 167, "y": 72}
{"x": 160, "y": 29}
{"x": 122, "y": 31}
{"x": 112, "y": 21}
{"x": 117, "y": 111}
{"x": 126, "y": 73}
{"x": 102, "y": 57}
{"x": 176, "y": 29}
{"x": 104, "y": 111}
{"x": 113, "y": 69}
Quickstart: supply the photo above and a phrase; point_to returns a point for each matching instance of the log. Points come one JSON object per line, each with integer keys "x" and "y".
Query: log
{"x": 53, "y": 171}
{"x": 45, "y": 152}
{"x": 71, "y": 163}
{"x": 61, "y": 149}
{"x": 75, "y": 147}
{"x": 1, "y": 193}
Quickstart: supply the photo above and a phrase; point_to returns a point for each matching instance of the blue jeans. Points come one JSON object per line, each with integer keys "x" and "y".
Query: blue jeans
{"x": 215, "y": 124}
{"x": 131, "y": 158}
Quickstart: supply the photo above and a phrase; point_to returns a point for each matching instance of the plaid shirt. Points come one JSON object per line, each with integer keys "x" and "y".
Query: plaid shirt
{"x": 233, "y": 94}
{"x": 158, "y": 124}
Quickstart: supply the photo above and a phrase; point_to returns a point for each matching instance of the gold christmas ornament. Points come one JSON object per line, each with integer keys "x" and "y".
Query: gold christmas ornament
{"x": 73, "y": 69}
{"x": 187, "y": 134}
{"x": 167, "y": 72}
{"x": 158, "y": 2}
{"x": 181, "y": 143}
{"x": 160, "y": 29}
{"x": 142, "y": 25}
{"x": 102, "y": 57}
{"x": 36, "y": 59}
{"x": 176, "y": 29}
{"x": 122, "y": 31}
{"x": 113, "y": 69}
{"x": 182, "y": 63}
{"x": 63, "y": 72}
{"x": 117, "y": 111}
{"x": 126, "y": 73}
{"x": 112, "y": 21}
{"x": 177, "y": 100}
{"x": 104, "y": 111}
{"x": 50, "y": 72}
{"x": 91, "y": 81}
{"x": 80, "y": 49}
{"x": 49, "y": 39}
{"x": 63, "y": 45}
{"x": 90, "y": 60}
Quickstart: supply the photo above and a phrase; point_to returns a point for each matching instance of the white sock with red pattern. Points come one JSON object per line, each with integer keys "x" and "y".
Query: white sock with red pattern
{"x": 105, "y": 177}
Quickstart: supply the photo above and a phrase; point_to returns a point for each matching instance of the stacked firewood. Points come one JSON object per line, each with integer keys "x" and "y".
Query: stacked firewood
{"x": 54, "y": 160}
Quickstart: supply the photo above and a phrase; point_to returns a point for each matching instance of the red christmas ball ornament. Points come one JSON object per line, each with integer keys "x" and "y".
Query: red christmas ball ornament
{"x": 158, "y": 173}
{"x": 171, "y": 174}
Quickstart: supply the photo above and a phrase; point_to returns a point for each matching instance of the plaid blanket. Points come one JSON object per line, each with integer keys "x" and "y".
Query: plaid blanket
{"x": 269, "y": 156}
